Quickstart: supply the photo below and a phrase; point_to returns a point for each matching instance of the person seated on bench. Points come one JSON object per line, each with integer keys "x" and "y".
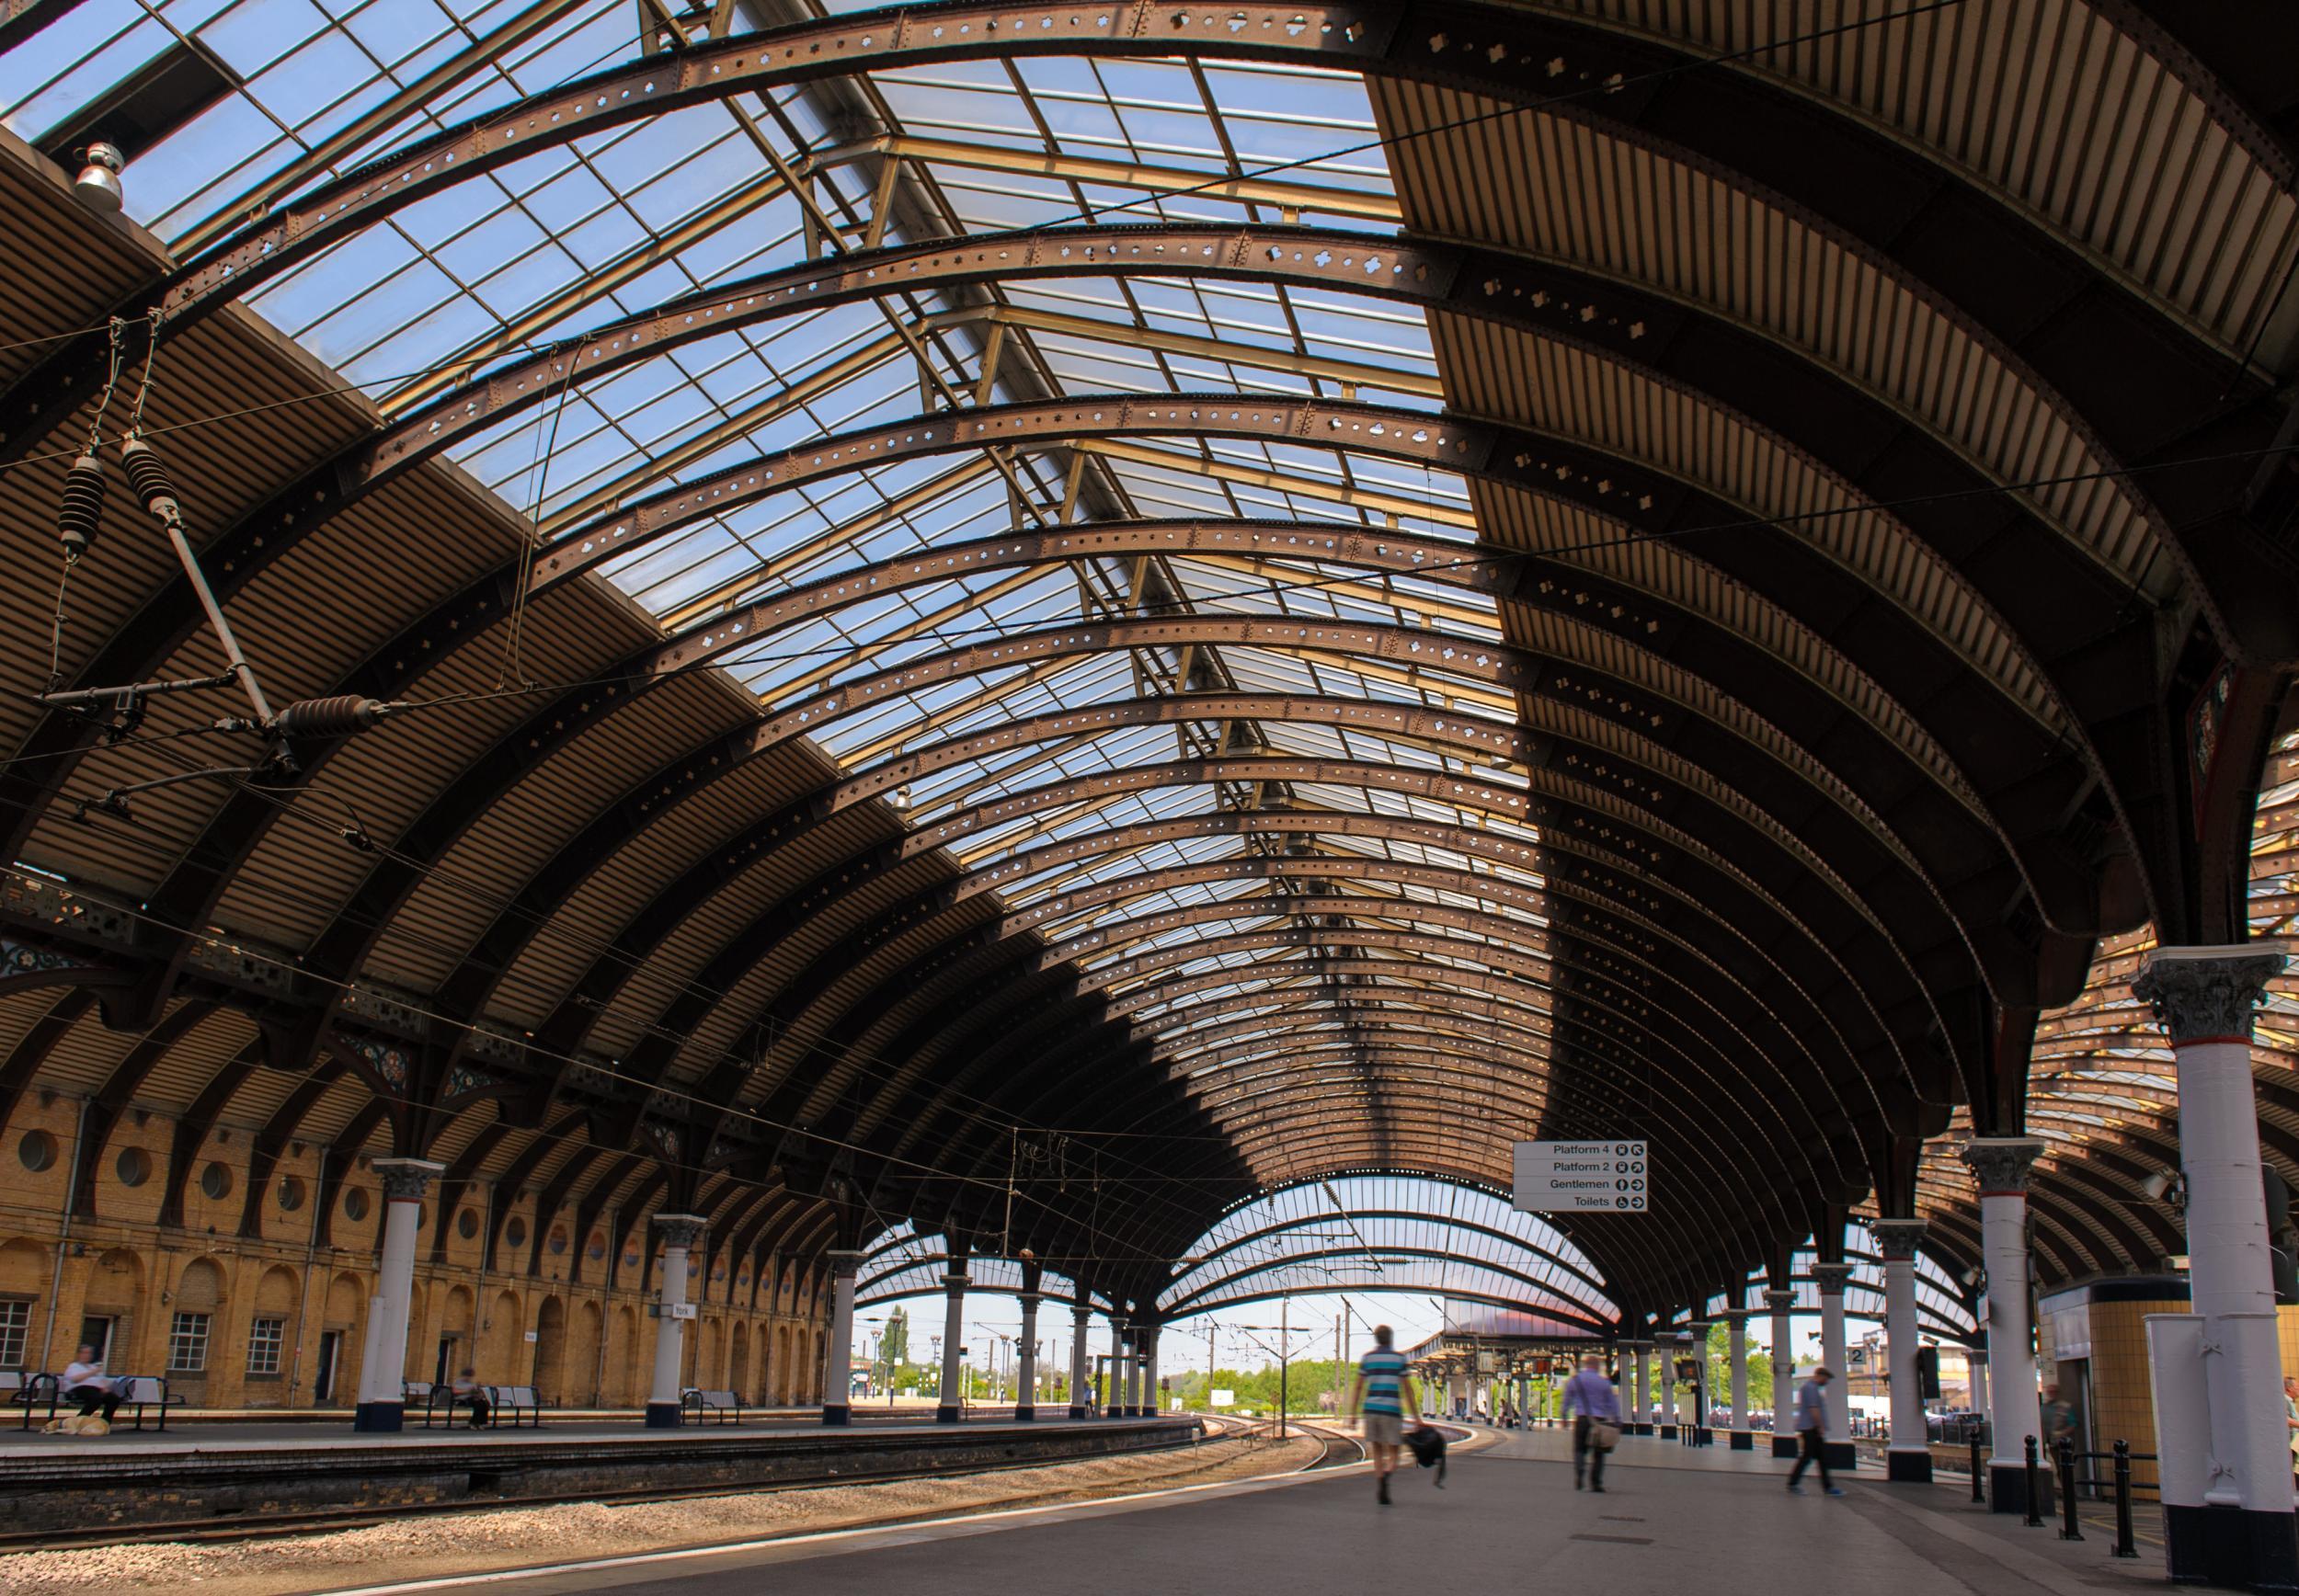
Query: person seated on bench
{"x": 469, "y": 1393}
{"x": 86, "y": 1383}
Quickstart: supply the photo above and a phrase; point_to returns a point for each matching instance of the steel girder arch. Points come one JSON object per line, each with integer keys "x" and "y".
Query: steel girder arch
{"x": 1472, "y": 66}
{"x": 1449, "y": 1222}
{"x": 1406, "y": 433}
{"x": 1734, "y": 1017}
{"x": 1568, "y": 1310}
{"x": 1885, "y": 199}
{"x": 1698, "y": 1131}
{"x": 1643, "y": 500}
{"x": 826, "y": 962}
{"x": 1462, "y": 735}
{"x": 1718, "y": 987}
{"x": 1712, "y": 825}
{"x": 1120, "y": 888}
{"x": 1689, "y": 730}
{"x": 806, "y": 287}
{"x": 1758, "y": 1221}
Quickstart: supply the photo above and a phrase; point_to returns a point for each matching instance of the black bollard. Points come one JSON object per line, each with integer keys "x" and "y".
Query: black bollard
{"x": 2123, "y": 1547}
{"x": 2034, "y": 1520}
{"x": 2069, "y": 1529}
{"x": 1979, "y": 1469}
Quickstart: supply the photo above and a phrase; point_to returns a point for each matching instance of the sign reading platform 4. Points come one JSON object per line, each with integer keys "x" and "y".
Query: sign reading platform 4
{"x": 1581, "y": 1177}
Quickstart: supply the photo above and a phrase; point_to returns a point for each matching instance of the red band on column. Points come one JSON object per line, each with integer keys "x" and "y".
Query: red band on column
{"x": 2212, "y": 1042}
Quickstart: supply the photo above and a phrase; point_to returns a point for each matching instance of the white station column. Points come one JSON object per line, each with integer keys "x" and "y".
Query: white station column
{"x": 2204, "y": 999}
{"x": 1080, "y": 1317}
{"x": 1025, "y": 1362}
{"x": 1666, "y": 1351}
{"x": 1642, "y": 1352}
{"x": 1909, "y": 1456}
{"x": 1113, "y": 1383}
{"x": 951, "y": 1408}
{"x": 837, "y": 1381}
{"x": 1736, "y": 1360}
{"x": 383, "y": 1394}
{"x": 1150, "y": 1402}
{"x": 2001, "y": 1164}
{"x": 1975, "y": 1360}
{"x": 679, "y": 1232}
{"x": 1831, "y": 1278}
{"x": 1783, "y": 1353}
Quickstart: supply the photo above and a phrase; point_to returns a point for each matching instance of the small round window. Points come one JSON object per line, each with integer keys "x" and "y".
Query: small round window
{"x": 216, "y": 1181}
{"x": 515, "y": 1232}
{"x": 291, "y": 1194}
{"x": 598, "y": 1248}
{"x": 37, "y": 1150}
{"x": 355, "y": 1203}
{"x": 558, "y": 1241}
{"x": 133, "y": 1166}
{"x": 466, "y": 1225}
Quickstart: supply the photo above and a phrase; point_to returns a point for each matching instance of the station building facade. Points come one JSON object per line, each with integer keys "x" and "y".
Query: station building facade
{"x": 278, "y": 1319}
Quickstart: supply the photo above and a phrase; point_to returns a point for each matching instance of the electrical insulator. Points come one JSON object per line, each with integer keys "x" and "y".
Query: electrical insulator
{"x": 330, "y": 717}
{"x": 83, "y": 510}
{"x": 148, "y": 477}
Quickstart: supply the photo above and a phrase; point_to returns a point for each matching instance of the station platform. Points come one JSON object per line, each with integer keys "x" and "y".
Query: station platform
{"x": 1670, "y": 1516}
{"x": 134, "y": 1482}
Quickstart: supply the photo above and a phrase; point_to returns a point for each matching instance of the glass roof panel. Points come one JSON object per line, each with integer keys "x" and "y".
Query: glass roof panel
{"x": 540, "y": 251}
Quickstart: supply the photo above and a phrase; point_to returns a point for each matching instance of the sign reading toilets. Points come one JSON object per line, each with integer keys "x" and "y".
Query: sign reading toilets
{"x": 1581, "y": 1177}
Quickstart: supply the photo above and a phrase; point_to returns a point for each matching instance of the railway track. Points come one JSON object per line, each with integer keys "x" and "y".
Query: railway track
{"x": 1334, "y": 1450}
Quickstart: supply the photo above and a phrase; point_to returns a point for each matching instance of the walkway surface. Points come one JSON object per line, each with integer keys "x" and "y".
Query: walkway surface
{"x": 1671, "y": 1519}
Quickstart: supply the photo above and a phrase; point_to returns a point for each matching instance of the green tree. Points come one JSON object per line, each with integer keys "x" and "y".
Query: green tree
{"x": 1721, "y": 1371}
{"x": 894, "y": 1346}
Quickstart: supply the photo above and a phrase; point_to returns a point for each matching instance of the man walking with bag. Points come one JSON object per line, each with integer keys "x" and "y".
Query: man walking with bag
{"x": 1594, "y": 1405}
{"x": 1379, "y": 1398}
{"x": 1811, "y": 1428}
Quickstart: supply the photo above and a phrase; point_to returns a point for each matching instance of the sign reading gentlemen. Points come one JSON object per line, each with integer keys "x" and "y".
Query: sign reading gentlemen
{"x": 1581, "y": 1177}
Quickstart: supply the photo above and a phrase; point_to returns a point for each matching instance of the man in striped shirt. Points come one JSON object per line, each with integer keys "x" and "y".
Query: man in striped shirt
{"x": 1381, "y": 1396}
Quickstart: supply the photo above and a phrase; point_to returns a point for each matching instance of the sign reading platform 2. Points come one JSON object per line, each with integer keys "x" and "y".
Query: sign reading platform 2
{"x": 1581, "y": 1177}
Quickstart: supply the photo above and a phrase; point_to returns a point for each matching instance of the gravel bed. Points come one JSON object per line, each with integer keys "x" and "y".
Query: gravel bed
{"x": 432, "y": 1547}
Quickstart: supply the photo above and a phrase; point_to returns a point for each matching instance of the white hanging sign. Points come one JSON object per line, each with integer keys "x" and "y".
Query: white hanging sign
{"x": 1582, "y": 1176}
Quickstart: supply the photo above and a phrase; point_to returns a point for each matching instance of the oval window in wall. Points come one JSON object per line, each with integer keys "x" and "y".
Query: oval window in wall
{"x": 37, "y": 1151}
{"x": 355, "y": 1203}
{"x": 558, "y": 1240}
{"x": 133, "y": 1166}
{"x": 598, "y": 1248}
{"x": 216, "y": 1180}
{"x": 291, "y": 1194}
{"x": 515, "y": 1232}
{"x": 466, "y": 1225}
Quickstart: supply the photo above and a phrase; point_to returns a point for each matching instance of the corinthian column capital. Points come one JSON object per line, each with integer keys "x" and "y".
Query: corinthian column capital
{"x": 2000, "y": 1164}
{"x": 680, "y": 1229}
{"x": 2208, "y": 994}
{"x": 1897, "y": 1239}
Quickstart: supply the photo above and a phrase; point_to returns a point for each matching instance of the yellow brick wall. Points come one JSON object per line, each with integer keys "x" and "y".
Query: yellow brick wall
{"x": 595, "y": 1340}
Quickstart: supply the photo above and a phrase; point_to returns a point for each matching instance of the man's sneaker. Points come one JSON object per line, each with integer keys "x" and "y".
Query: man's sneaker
{"x": 1598, "y": 1490}
{"x": 1796, "y": 1491}
{"x": 1835, "y": 1490}
{"x": 1576, "y": 1482}
{"x": 1385, "y": 1490}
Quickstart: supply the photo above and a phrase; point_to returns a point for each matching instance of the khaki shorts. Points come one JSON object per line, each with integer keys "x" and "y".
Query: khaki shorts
{"x": 1384, "y": 1429}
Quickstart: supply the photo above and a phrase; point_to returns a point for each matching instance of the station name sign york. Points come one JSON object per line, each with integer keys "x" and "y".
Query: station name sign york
{"x": 1581, "y": 1177}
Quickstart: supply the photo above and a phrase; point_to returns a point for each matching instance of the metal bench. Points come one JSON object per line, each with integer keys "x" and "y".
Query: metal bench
{"x": 143, "y": 1391}
{"x": 28, "y": 1390}
{"x": 436, "y": 1402}
{"x": 516, "y": 1400}
{"x": 725, "y": 1404}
